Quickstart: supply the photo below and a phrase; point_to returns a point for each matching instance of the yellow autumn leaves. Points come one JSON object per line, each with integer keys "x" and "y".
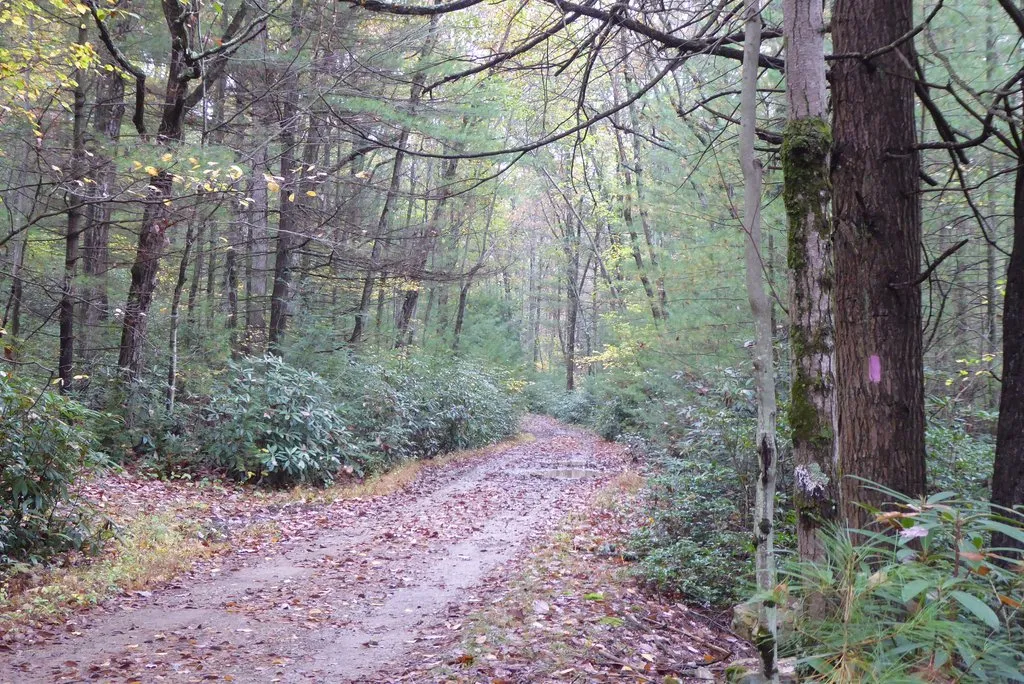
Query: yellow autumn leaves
{"x": 211, "y": 176}
{"x": 274, "y": 185}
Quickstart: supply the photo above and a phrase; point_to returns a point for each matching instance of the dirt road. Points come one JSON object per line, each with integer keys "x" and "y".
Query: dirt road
{"x": 342, "y": 605}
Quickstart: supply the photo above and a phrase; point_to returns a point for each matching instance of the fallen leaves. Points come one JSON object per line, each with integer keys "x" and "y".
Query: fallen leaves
{"x": 328, "y": 562}
{"x": 570, "y": 613}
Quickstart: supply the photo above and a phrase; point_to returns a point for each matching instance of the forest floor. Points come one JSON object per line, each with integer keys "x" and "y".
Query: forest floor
{"x": 500, "y": 565}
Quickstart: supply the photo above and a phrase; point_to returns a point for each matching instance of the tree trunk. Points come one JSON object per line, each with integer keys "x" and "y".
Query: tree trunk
{"x": 626, "y": 199}
{"x": 75, "y": 193}
{"x": 807, "y": 143}
{"x": 1008, "y": 473}
{"x": 879, "y": 369}
{"x": 108, "y": 113}
{"x": 172, "y": 347}
{"x": 10, "y": 323}
{"x": 571, "y": 247}
{"x": 197, "y": 271}
{"x": 377, "y": 248}
{"x": 156, "y": 217}
{"x": 210, "y": 273}
{"x": 535, "y": 305}
{"x": 764, "y": 366}
{"x": 256, "y": 252}
{"x": 641, "y": 200}
{"x": 460, "y": 313}
{"x": 422, "y": 247}
{"x": 991, "y": 343}
{"x": 231, "y": 295}
{"x": 290, "y": 236}
{"x": 634, "y": 239}
{"x": 285, "y": 243}
{"x": 155, "y": 222}
{"x": 287, "y": 223}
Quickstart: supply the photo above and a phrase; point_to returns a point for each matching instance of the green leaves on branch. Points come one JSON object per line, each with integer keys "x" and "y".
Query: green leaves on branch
{"x": 271, "y": 422}
{"x": 44, "y": 446}
{"x": 274, "y": 423}
{"x": 924, "y": 597}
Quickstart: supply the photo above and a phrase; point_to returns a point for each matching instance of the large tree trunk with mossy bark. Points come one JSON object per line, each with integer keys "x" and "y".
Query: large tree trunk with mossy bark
{"x": 806, "y": 148}
{"x": 879, "y": 368}
{"x": 1008, "y": 474}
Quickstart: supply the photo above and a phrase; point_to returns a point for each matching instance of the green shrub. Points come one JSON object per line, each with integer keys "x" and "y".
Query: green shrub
{"x": 959, "y": 460}
{"x": 576, "y": 407}
{"x": 614, "y": 404}
{"x": 925, "y": 599}
{"x": 377, "y": 410}
{"x": 43, "y": 448}
{"x": 696, "y": 542}
{"x": 542, "y": 392}
{"x": 426, "y": 407}
{"x": 270, "y": 422}
{"x": 275, "y": 423}
{"x": 463, "y": 406}
{"x": 626, "y": 409}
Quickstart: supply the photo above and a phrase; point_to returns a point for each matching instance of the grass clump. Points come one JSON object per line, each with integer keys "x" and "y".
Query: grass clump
{"x": 921, "y": 597}
{"x": 147, "y": 551}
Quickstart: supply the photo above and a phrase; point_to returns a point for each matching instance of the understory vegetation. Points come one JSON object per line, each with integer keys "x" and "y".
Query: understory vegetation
{"x": 921, "y": 592}
{"x": 696, "y": 433}
{"x": 258, "y": 420}
{"x": 921, "y": 596}
{"x": 46, "y": 447}
{"x": 776, "y": 249}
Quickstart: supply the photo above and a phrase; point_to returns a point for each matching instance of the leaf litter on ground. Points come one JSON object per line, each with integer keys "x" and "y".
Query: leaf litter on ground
{"x": 461, "y": 570}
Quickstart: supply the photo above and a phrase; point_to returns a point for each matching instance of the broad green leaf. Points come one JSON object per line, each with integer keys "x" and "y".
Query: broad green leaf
{"x": 940, "y": 496}
{"x": 912, "y": 589}
{"x": 1008, "y": 530}
{"x": 977, "y": 607}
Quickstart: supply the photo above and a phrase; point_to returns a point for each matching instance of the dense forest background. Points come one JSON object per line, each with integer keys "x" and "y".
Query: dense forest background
{"x": 305, "y": 240}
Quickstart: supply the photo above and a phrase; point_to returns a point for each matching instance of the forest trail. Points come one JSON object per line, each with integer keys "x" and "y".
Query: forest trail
{"x": 381, "y": 576}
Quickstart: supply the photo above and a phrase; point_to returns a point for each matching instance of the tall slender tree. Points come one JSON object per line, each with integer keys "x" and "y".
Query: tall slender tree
{"x": 763, "y": 355}
{"x": 75, "y": 193}
{"x": 806, "y": 148}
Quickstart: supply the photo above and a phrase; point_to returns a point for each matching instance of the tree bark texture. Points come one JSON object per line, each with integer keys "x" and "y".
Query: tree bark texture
{"x": 256, "y": 248}
{"x": 75, "y": 194}
{"x": 377, "y": 248}
{"x": 287, "y": 223}
{"x": 156, "y": 218}
{"x": 880, "y": 387}
{"x": 108, "y": 113}
{"x": 571, "y": 248}
{"x": 765, "y": 636}
{"x": 806, "y": 148}
{"x": 422, "y": 246}
{"x": 1008, "y": 473}
{"x": 172, "y": 344}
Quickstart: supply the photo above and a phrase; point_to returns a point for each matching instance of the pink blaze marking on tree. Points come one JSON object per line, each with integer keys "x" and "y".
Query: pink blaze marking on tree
{"x": 875, "y": 369}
